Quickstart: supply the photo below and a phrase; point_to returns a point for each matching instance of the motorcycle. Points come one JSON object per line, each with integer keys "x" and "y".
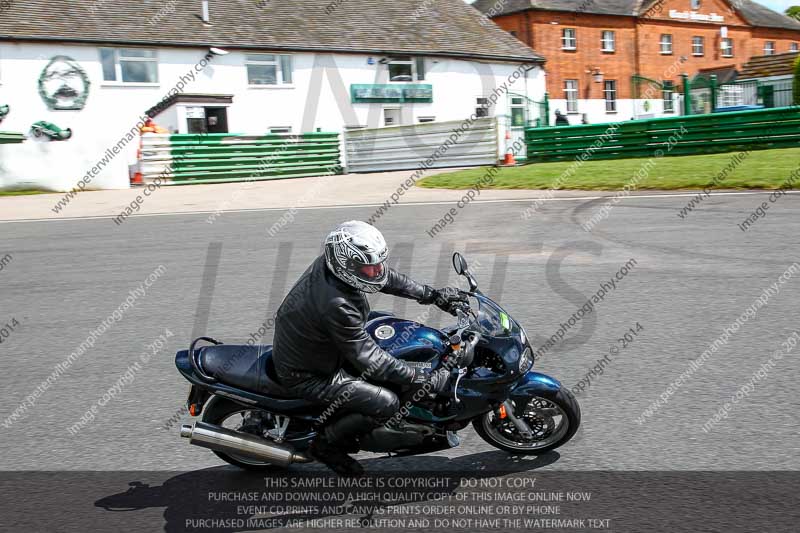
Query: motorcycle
{"x": 250, "y": 421}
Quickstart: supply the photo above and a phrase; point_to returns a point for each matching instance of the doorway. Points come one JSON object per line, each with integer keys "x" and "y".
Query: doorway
{"x": 201, "y": 120}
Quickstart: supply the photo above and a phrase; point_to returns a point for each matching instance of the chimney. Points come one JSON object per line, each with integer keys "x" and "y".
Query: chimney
{"x": 206, "y": 16}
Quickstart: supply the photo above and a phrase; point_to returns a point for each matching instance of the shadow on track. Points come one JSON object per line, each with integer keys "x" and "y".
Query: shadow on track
{"x": 210, "y": 499}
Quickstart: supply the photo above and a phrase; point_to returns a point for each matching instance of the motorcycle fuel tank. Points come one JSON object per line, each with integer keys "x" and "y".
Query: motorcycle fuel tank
{"x": 410, "y": 341}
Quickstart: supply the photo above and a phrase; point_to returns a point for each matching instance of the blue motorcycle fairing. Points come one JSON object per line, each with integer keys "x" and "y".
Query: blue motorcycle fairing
{"x": 408, "y": 340}
{"x": 534, "y": 384}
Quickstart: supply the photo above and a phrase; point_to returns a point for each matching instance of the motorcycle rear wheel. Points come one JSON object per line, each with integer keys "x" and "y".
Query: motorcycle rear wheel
{"x": 553, "y": 418}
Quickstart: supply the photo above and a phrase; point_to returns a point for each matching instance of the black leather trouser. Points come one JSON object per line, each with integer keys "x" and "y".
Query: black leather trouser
{"x": 355, "y": 407}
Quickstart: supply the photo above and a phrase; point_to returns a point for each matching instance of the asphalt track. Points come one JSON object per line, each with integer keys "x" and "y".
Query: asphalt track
{"x": 692, "y": 278}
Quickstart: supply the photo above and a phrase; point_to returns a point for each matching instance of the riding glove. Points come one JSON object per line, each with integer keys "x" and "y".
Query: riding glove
{"x": 448, "y": 299}
{"x": 435, "y": 382}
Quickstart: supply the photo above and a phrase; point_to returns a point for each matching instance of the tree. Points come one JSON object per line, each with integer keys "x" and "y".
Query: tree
{"x": 796, "y": 84}
{"x": 793, "y": 12}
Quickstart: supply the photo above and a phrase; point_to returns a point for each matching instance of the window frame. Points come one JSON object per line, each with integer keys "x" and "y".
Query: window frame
{"x": 279, "y": 63}
{"x": 727, "y": 51}
{"x": 119, "y": 59}
{"x": 698, "y": 40}
{"x": 411, "y": 61}
{"x": 695, "y": 4}
{"x": 519, "y": 105}
{"x": 571, "y": 96}
{"x": 769, "y": 48}
{"x": 565, "y": 39}
{"x": 483, "y": 108}
{"x": 604, "y": 41}
{"x": 668, "y": 87}
{"x": 793, "y": 47}
{"x": 610, "y": 95}
{"x": 662, "y": 41}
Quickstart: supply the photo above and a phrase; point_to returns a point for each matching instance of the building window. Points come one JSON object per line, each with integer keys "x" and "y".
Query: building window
{"x": 698, "y": 46}
{"x": 569, "y": 40}
{"x": 392, "y": 116}
{"x": 695, "y": 5}
{"x": 666, "y": 43}
{"x": 268, "y": 69}
{"x": 129, "y": 65}
{"x": 769, "y": 48}
{"x": 610, "y": 94}
{"x": 793, "y": 47}
{"x": 727, "y": 47}
{"x": 406, "y": 68}
{"x": 667, "y": 90}
{"x": 608, "y": 41}
{"x": 483, "y": 107}
{"x": 571, "y": 95}
{"x": 517, "y": 111}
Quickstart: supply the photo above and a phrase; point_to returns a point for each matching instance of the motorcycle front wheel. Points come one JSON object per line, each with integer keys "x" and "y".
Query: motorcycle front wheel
{"x": 552, "y": 417}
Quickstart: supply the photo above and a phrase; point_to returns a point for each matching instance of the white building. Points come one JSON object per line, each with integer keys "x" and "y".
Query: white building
{"x": 99, "y": 68}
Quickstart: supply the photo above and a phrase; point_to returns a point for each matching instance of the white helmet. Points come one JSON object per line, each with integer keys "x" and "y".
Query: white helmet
{"x": 355, "y": 253}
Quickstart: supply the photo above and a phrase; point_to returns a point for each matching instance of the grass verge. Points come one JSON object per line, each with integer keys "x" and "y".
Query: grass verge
{"x": 22, "y": 193}
{"x": 761, "y": 169}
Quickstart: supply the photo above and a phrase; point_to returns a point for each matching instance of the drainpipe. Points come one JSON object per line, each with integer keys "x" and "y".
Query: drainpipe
{"x": 528, "y": 31}
{"x": 637, "y": 70}
{"x": 206, "y": 15}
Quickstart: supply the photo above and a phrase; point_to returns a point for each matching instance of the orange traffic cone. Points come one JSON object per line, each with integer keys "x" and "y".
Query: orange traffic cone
{"x": 137, "y": 178}
{"x": 509, "y": 158}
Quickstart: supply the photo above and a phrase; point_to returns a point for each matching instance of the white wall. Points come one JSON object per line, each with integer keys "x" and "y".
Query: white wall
{"x": 112, "y": 110}
{"x": 627, "y": 109}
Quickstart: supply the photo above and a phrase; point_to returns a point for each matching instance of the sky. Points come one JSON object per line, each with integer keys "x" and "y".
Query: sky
{"x": 779, "y": 5}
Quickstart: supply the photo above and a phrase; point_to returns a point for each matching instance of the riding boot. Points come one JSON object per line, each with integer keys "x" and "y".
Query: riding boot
{"x": 340, "y": 438}
{"x": 334, "y": 457}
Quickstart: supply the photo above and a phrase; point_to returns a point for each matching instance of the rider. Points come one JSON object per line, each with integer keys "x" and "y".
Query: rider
{"x": 320, "y": 327}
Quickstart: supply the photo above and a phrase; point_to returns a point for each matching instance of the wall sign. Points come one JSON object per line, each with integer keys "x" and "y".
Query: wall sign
{"x": 195, "y": 112}
{"x": 63, "y": 85}
{"x": 694, "y": 15}
{"x": 421, "y": 93}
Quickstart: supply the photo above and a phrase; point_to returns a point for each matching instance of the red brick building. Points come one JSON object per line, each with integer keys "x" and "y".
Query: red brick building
{"x": 601, "y": 53}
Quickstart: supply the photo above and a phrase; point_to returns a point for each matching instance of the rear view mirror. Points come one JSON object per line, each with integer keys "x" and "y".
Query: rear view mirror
{"x": 460, "y": 264}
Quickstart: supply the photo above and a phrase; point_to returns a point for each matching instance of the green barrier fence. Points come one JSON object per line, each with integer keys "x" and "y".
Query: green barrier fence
{"x": 11, "y": 138}
{"x": 689, "y": 135}
{"x": 216, "y": 158}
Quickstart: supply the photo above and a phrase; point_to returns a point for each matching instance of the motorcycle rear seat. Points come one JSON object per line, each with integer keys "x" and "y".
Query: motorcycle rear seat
{"x": 248, "y": 368}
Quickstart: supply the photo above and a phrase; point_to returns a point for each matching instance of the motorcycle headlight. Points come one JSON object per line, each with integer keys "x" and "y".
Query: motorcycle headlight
{"x": 525, "y": 360}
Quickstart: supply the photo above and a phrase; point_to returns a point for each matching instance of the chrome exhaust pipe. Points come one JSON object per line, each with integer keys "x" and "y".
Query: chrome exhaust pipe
{"x": 220, "y": 439}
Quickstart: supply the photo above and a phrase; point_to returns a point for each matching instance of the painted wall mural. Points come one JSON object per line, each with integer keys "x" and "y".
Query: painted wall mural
{"x": 63, "y": 85}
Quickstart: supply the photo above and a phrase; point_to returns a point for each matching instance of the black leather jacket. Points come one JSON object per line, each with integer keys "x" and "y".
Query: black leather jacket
{"x": 320, "y": 325}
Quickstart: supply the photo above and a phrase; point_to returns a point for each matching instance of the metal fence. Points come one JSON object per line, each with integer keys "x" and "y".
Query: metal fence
{"x": 426, "y": 145}
{"x": 213, "y": 158}
{"x": 699, "y": 134}
{"x": 708, "y": 97}
{"x": 777, "y": 93}
{"x": 11, "y": 138}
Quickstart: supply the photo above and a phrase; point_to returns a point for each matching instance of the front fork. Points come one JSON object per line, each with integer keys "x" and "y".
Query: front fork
{"x": 531, "y": 385}
{"x": 506, "y": 410}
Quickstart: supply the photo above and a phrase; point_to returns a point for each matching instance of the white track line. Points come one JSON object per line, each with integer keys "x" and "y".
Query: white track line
{"x": 405, "y": 204}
